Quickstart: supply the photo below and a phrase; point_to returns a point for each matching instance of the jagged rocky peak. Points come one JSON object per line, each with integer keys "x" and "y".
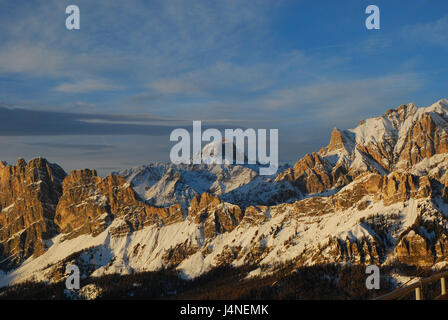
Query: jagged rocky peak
{"x": 215, "y": 216}
{"x": 440, "y": 106}
{"x": 406, "y": 110}
{"x": 90, "y": 203}
{"x": 29, "y": 193}
{"x": 413, "y": 250}
{"x": 201, "y": 202}
{"x": 314, "y": 174}
{"x": 376, "y": 193}
{"x": 336, "y": 140}
{"x": 402, "y": 112}
{"x": 340, "y": 141}
{"x": 399, "y": 139}
{"x": 215, "y": 153}
{"x": 165, "y": 184}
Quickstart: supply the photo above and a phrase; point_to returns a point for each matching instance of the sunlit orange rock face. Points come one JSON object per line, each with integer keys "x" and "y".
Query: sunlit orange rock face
{"x": 90, "y": 203}
{"x": 422, "y": 139}
{"x": 367, "y": 179}
{"x": 29, "y": 193}
{"x": 38, "y": 201}
{"x": 313, "y": 174}
{"x": 215, "y": 216}
{"x": 413, "y": 249}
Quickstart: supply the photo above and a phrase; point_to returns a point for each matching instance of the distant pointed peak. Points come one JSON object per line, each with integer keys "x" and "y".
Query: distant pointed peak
{"x": 440, "y": 106}
{"x": 442, "y": 103}
{"x": 76, "y": 174}
{"x": 21, "y": 162}
{"x": 403, "y": 111}
{"x": 215, "y": 152}
{"x": 38, "y": 161}
{"x": 338, "y": 140}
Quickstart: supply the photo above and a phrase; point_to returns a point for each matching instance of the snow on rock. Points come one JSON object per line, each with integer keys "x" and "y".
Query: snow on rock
{"x": 285, "y": 234}
{"x": 264, "y": 221}
{"x": 240, "y": 184}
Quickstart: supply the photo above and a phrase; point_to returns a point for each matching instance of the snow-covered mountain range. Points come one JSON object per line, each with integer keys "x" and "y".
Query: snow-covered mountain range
{"x": 165, "y": 184}
{"x": 375, "y": 194}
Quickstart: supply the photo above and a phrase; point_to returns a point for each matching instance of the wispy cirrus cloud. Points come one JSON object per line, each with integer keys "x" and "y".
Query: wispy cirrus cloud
{"x": 294, "y": 65}
{"x": 36, "y": 59}
{"x": 174, "y": 86}
{"x": 433, "y": 32}
{"x": 87, "y": 85}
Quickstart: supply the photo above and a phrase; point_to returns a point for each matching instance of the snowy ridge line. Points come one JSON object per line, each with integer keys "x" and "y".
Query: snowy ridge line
{"x": 363, "y": 207}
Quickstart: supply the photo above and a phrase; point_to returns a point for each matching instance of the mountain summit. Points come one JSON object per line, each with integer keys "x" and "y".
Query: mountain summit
{"x": 215, "y": 153}
{"x": 377, "y": 194}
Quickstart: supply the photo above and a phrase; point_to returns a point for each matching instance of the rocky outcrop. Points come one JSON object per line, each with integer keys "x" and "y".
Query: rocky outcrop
{"x": 313, "y": 174}
{"x": 29, "y": 193}
{"x": 399, "y": 139}
{"x": 83, "y": 207}
{"x": 424, "y": 187}
{"x": 441, "y": 248}
{"x": 174, "y": 256}
{"x": 89, "y": 204}
{"x": 413, "y": 249}
{"x": 216, "y": 217}
{"x": 254, "y": 216}
{"x": 424, "y": 139}
{"x": 367, "y": 184}
{"x": 398, "y": 187}
{"x": 340, "y": 140}
{"x": 363, "y": 251}
{"x": 355, "y": 201}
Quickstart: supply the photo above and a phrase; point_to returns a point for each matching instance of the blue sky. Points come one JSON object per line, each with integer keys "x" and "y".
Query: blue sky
{"x": 107, "y": 95}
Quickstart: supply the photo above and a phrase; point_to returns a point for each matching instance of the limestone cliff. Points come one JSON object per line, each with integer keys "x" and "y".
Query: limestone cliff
{"x": 29, "y": 193}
